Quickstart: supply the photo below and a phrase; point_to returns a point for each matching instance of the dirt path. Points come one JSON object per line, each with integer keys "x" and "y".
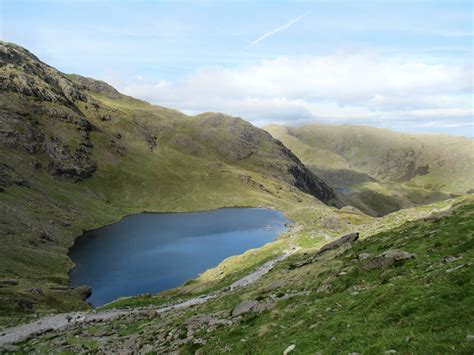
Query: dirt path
{"x": 66, "y": 320}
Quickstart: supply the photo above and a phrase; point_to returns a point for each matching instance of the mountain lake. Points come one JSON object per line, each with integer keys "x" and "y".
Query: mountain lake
{"x": 152, "y": 252}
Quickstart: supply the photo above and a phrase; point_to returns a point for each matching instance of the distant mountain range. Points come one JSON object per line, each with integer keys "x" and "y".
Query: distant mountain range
{"x": 380, "y": 171}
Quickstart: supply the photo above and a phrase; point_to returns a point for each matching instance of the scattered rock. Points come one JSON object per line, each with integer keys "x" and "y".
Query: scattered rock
{"x": 245, "y": 307}
{"x": 275, "y": 285}
{"x": 25, "y": 305}
{"x": 151, "y": 313}
{"x": 324, "y": 288}
{"x": 387, "y": 259}
{"x": 289, "y": 349}
{"x": 36, "y": 291}
{"x": 364, "y": 256}
{"x": 450, "y": 258}
{"x": 4, "y": 283}
{"x": 9, "y": 349}
{"x": 199, "y": 341}
{"x": 397, "y": 255}
{"x": 104, "y": 333}
{"x": 455, "y": 268}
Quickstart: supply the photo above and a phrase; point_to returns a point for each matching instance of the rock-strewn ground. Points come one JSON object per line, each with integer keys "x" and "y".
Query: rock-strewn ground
{"x": 406, "y": 290}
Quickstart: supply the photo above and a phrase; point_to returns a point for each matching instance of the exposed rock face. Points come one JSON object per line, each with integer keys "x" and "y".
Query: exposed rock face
{"x": 402, "y": 161}
{"x": 186, "y": 144}
{"x": 24, "y": 133}
{"x": 75, "y": 164}
{"x": 234, "y": 139}
{"x": 21, "y": 127}
{"x": 96, "y": 86}
{"x": 9, "y": 177}
{"x": 31, "y": 77}
{"x": 20, "y": 132}
{"x": 241, "y": 143}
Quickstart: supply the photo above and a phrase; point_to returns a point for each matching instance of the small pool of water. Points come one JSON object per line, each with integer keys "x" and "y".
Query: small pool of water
{"x": 148, "y": 253}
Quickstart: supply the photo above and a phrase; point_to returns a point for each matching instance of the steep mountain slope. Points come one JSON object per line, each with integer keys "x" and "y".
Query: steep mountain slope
{"x": 379, "y": 171}
{"x": 76, "y": 154}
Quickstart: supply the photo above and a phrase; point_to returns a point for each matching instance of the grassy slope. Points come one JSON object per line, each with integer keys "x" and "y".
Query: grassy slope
{"x": 417, "y": 306}
{"x": 380, "y": 171}
{"x": 421, "y": 305}
{"x": 148, "y": 158}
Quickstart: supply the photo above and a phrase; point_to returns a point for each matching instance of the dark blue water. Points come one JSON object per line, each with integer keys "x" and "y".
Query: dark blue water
{"x": 147, "y": 253}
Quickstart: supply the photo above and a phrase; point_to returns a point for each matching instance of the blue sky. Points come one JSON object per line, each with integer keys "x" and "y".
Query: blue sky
{"x": 404, "y": 65}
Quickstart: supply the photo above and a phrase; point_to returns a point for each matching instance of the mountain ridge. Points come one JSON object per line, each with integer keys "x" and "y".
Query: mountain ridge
{"x": 378, "y": 170}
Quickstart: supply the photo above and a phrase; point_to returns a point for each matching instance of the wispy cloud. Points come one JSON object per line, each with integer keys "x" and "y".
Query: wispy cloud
{"x": 276, "y": 30}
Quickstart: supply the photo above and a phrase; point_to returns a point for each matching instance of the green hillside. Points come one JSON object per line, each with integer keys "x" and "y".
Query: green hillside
{"x": 76, "y": 155}
{"x": 408, "y": 289}
{"x": 380, "y": 171}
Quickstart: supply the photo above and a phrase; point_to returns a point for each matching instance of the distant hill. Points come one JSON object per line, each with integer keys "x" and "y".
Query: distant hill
{"x": 379, "y": 171}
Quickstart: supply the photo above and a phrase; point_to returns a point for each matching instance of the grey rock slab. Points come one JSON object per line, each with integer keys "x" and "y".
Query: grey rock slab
{"x": 244, "y": 307}
{"x": 289, "y": 349}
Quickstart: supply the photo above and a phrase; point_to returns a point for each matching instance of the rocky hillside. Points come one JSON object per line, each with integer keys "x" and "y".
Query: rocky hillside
{"x": 72, "y": 112}
{"x": 76, "y": 154}
{"x": 379, "y": 171}
{"x": 405, "y": 290}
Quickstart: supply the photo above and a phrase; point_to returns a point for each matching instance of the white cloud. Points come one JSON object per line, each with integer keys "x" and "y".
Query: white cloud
{"x": 341, "y": 88}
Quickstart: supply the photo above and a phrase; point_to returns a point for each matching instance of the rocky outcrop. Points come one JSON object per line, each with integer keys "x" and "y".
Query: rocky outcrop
{"x": 344, "y": 240}
{"x": 247, "y": 307}
{"x": 20, "y": 132}
{"x": 387, "y": 259}
{"x": 70, "y": 163}
{"x": 94, "y": 85}
{"x": 9, "y": 177}
{"x": 349, "y": 238}
{"x": 22, "y": 72}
